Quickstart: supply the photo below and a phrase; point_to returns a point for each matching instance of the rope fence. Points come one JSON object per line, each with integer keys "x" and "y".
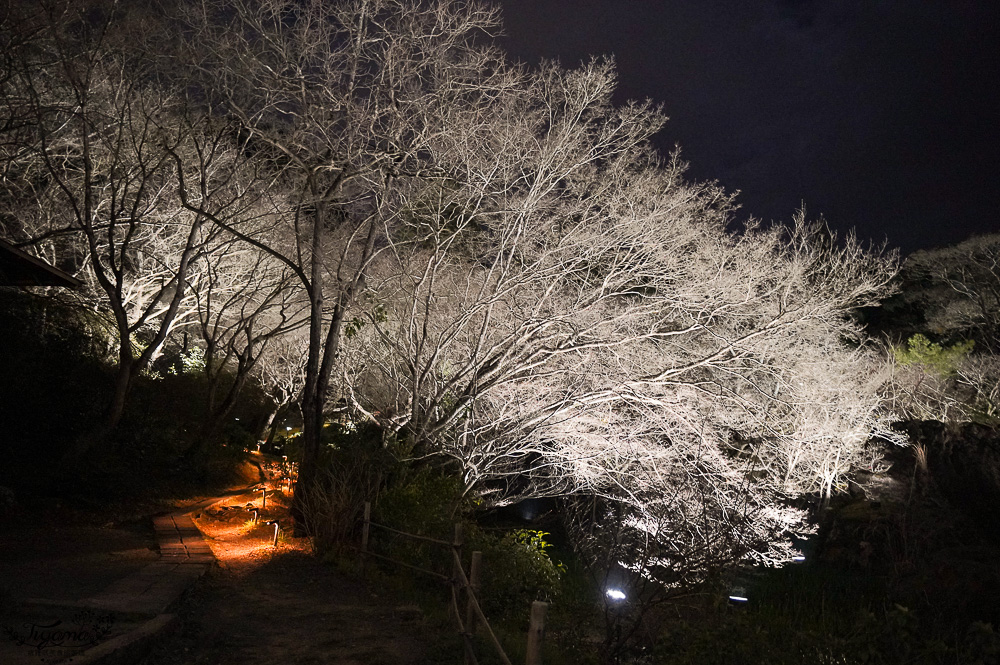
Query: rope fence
{"x": 458, "y": 582}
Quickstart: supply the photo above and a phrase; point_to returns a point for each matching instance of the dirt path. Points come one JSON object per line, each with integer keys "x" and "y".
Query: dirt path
{"x": 266, "y": 605}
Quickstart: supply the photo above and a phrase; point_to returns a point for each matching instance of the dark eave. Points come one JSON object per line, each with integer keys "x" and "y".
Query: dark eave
{"x": 18, "y": 268}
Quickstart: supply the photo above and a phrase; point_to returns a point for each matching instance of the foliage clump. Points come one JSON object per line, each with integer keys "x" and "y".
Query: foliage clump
{"x": 519, "y": 567}
{"x": 942, "y": 360}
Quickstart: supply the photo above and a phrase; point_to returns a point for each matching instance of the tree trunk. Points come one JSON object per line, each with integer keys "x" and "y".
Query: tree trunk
{"x": 266, "y": 431}
{"x": 313, "y": 395}
{"x": 112, "y": 416}
{"x": 217, "y": 414}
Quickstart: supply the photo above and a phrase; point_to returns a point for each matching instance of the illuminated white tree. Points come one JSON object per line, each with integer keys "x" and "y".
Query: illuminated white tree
{"x": 492, "y": 258}
{"x": 566, "y": 315}
{"x": 91, "y": 182}
{"x": 244, "y": 305}
{"x": 281, "y": 372}
{"x": 325, "y": 96}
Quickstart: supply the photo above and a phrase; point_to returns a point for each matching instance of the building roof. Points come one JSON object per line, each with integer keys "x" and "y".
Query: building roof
{"x": 18, "y": 268}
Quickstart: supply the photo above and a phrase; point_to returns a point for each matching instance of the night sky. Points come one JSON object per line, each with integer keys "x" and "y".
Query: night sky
{"x": 880, "y": 116}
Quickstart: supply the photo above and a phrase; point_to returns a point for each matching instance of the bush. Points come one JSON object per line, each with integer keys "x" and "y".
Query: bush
{"x": 54, "y": 382}
{"x": 353, "y": 468}
{"x": 517, "y": 569}
{"x": 423, "y": 501}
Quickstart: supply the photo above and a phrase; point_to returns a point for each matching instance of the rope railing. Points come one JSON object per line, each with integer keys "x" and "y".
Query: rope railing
{"x": 457, "y": 582}
{"x": 414, "y": 536}
{"x": 470, "y": 653}
{"x": 443, "y": 578}
{"x": 474, "y": 603}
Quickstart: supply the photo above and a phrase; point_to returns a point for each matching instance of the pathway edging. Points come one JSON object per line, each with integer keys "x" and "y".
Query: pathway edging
{"x": 184, "y": 557}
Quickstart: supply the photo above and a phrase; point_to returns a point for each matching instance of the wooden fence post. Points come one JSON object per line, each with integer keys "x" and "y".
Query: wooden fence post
{"x": 365, "y": 526}
{"x": 457, "y": 563}
{"x": 474, "y": 577}
{"x": 536, "y": 631}
{"x": 457, "y": 544}
{"x": 473, "y": 590}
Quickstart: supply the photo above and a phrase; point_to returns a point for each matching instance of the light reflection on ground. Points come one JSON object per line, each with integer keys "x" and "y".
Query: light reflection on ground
{"x": 236, "y": 541}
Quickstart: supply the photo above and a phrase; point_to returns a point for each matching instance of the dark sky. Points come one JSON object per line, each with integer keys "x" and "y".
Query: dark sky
{"x": 880, "y": 115}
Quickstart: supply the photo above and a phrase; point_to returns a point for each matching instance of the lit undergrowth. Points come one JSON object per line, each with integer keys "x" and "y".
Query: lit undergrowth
{"x": 235, "y": 537}
{"x": 248, "y": 527}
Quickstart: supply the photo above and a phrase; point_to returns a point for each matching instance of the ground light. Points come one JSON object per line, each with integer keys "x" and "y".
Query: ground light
{"x": 738, "y": 595}
{"x": 615, "y": 594}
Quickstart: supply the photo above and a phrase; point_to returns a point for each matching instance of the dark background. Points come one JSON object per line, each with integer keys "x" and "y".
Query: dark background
{"x": 880, "y": 116}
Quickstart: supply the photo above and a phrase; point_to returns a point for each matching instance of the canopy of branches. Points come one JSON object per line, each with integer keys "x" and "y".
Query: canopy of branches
{"x": 488, "y": 260}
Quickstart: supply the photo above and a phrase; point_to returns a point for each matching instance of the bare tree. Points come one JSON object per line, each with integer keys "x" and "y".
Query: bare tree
{"x": 245, "y": 298}
{"x": 325, "y": 94}
{"x": 281, "y": 371}
{"x": 980, "y": 375}
{"x": 494, "y": 258}
{"x": 94, "y": 178}
{"x": 567, "y": 315}
{"x": 961, "y": 289}
{"x": 244, "y": 305}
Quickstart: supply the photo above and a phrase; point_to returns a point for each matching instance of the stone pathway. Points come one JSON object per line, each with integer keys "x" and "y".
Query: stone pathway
{"x": 181, "y": 541}
{"x": 127, "y": 614}
{"x": 266, "y": 604}
{"x": 262, "y": 604}
{"x": 184, "y": 557}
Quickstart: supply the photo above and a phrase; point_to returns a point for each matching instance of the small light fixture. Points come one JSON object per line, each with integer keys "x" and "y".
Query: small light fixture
{"x": 798, "y": 559}
{"x": 615, "y": 594}
{"x": 274, "y": 542}
{"x": 738, "y": 595}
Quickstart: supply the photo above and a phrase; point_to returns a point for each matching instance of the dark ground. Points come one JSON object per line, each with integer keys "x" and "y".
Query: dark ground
{"x": 265, "y": 605}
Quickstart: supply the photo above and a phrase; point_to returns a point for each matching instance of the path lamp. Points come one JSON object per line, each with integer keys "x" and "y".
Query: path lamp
{"x": 274, "y": 542}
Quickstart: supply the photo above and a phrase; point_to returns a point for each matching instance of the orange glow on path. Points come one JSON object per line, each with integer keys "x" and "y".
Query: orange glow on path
{"x": 236, "y": 541}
